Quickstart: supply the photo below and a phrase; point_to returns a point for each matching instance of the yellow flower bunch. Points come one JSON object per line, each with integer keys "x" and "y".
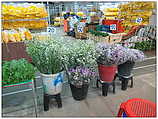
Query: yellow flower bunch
{"x": 36, "y": 24}
{"x": 16, "y": 35}
{"x": 23, "y": 12}
{"x": 24, "y": 15}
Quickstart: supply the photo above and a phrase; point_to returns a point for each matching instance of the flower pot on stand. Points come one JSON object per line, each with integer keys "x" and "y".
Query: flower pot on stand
{"x": 126, "y": 68}
{"x": 107, "y": 76}
{"x": 124, "y": 72}
{"x": 79, "y": 92}
{"x": 107, "y": 73}
{"x": 52, "y": 84}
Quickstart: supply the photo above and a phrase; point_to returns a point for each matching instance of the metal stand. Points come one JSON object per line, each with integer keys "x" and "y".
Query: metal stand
{"x": 125, "y": 80}
{"x": 105, "y": 86}
{"x": 34, "y": 95}
{"x": 47, "y": 100}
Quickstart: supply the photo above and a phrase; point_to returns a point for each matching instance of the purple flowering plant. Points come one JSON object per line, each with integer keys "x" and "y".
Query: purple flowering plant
{"x": 116, "y": 54}
{"x": 136, "y": 55}
{"x": 81, "y": 75}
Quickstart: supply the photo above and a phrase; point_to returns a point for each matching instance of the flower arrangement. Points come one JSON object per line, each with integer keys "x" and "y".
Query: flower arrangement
{"x": 81, "y": 75}
{"x": 116, "y": 54}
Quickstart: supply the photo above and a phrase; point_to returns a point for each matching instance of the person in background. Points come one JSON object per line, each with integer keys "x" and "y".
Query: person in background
{"x": 66, "y": 16}
{"x": 72, "y": 21}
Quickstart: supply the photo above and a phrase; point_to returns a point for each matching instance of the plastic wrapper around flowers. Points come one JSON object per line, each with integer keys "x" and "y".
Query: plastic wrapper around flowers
{"x": 17, "y": 35}
{"x": 26, "y": 15}
{"x": 131, "y": 41}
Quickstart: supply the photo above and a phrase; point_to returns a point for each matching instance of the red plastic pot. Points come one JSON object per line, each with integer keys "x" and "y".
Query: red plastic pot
{"x": 107, "y": 73}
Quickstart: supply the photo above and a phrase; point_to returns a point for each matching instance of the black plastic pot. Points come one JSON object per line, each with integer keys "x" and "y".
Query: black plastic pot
{"x": 79, "y": 93}
{"x": 126, "y": 68}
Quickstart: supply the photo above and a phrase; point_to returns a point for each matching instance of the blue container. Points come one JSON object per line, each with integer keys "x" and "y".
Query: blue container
{"x": 105, "y": 28}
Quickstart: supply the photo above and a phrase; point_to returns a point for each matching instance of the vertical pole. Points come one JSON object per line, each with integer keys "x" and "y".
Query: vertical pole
{"x": 48, "y": 13}
{"x": 34, "y": 95}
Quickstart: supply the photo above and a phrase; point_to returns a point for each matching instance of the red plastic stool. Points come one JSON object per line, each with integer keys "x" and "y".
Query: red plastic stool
{"x": 137, "y": 108}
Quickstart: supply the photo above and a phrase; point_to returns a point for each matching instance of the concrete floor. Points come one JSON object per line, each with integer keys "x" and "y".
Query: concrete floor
{"x": 98, "y": 106}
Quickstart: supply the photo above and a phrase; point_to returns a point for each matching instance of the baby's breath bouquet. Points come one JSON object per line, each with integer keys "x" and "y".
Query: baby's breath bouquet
{"x": 46, "y": 55}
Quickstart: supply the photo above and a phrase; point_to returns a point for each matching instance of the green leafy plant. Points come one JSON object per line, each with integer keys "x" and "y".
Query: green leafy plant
{"x": 145, "y": 45}
{"x": 17, "y": 71}
{"x": 97, "y": 33}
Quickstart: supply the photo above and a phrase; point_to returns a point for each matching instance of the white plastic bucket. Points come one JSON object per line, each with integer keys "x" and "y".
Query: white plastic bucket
{"x": 52, "y": 83}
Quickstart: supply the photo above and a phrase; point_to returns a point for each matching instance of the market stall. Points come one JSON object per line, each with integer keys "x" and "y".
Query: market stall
{"x": 81, "y": 46}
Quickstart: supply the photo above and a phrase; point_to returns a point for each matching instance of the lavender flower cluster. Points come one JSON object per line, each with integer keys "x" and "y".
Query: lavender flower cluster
{"x": 136, "y": 55}
{"x": 80, "y": 75}
{"x": 117, "y": 54}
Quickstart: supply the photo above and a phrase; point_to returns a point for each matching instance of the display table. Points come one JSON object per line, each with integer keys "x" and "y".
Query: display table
{"x": 92, "y": 26}
{"x": 14, "y": 50}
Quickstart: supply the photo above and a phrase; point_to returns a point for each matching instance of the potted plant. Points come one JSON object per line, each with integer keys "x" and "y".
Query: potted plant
{"x": 80, "y": 79}
{"x": 80, "y": 61}
{"x": 46, "y": 56}
{"x": 126, "y": 68}
{"x": 17, "y": 77}
{"x": 109, "y": 57}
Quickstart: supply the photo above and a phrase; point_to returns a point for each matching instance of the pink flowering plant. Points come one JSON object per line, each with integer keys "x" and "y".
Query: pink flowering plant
{"x": 81, "y": 75}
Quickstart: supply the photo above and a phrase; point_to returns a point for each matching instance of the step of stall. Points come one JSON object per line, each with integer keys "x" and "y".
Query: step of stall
{"x": 146, "y": 66}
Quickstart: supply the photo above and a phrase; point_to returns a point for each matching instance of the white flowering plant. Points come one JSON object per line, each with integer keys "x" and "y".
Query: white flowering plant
{"x": 46, "y": 55}
{"x": 79, "y": 54}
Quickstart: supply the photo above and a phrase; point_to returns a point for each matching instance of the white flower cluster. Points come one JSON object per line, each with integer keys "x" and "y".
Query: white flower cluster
{"x": 50, "y": 55}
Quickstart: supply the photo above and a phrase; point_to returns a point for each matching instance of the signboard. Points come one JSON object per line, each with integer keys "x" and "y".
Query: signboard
{"x": 51, "y": 30}
{"x": 80, "y": 27}
{"x": 113, "y": 27}
{"x": 139, "y": 20}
